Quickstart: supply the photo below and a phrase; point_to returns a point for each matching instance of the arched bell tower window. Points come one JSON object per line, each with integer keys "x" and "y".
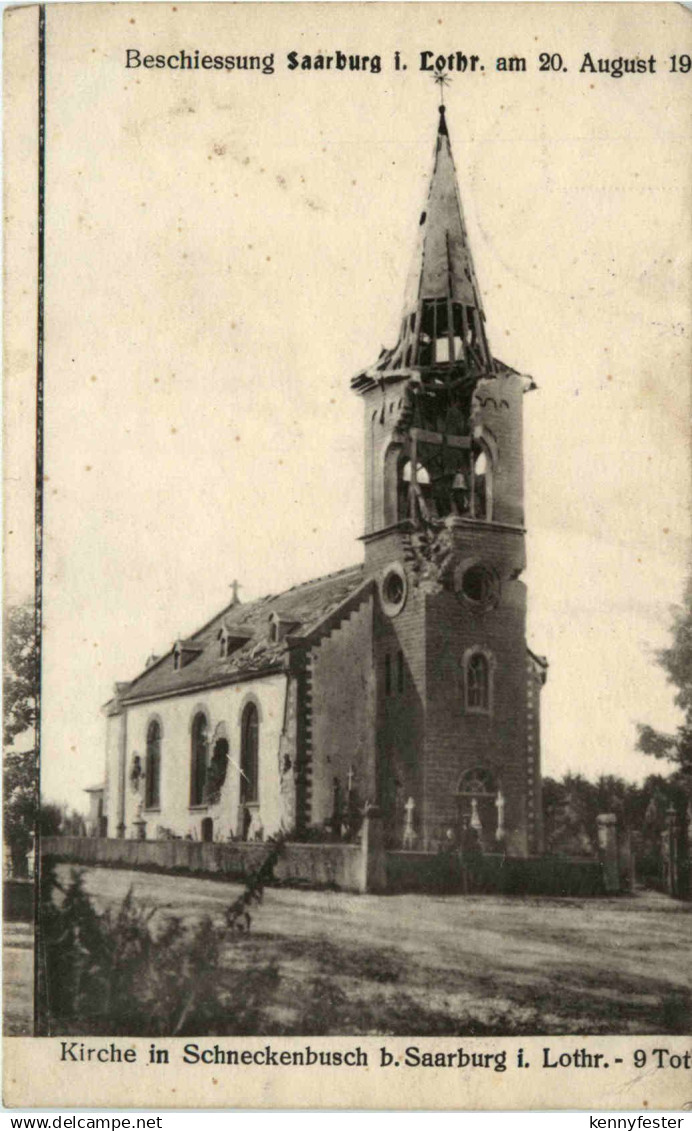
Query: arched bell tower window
{"x": 478, "y": 689}
{"x": 249, "y": 751}
{"x": 460, "y": 493}
{"x": 422, "y": 475}
{"x": 199, "y": 757}
{"x": 482, "y": 483}
{"x": 464, "y": 489}
{"x": 415, "y": 492}
{"x": 152, "y": 779}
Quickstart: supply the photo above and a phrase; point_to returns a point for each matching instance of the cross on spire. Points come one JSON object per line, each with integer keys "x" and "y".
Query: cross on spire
{"x": 441, "y": 79}
{"x": 235, "y": 586}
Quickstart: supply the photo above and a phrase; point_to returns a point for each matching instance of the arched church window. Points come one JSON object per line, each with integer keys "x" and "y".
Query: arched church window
{"x": 152, "y": 780}
{"x": 249, "y": 750}
{"x": 478, "y": 682}
{"x": 481, "y": 809}
{"x": 478, "y": 782}
{"x": 199, "y": 753}
{"x": 218, "y": 767}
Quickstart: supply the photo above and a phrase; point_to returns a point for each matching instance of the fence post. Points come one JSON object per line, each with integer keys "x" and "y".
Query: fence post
{"x": 608, "y": 845}
{"x": 626, "y": 861}
{"x": 671, "y": 855}
{"x": 373, "y": 864}
{"x": 686, "y": 853}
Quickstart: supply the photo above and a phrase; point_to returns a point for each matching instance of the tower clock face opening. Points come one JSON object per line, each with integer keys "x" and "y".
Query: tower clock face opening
{"x": 393, "y": 589}
{"x": 480, "y": 586}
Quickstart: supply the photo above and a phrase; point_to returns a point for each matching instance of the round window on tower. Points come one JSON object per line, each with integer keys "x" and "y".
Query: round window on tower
{"x": 393, "y": 589}
{"x": 480, "y": 587}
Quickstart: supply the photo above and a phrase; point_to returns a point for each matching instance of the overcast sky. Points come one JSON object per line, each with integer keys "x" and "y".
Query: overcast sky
{"x": 225, "y": 251}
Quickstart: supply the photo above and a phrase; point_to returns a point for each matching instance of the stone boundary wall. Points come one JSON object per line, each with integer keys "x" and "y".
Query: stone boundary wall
{"x": 360, "y": 867}
{"x": 315, "y": 865}
{"x": 503, "y": 875}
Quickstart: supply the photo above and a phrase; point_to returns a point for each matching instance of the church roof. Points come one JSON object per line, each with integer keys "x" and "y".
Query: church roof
{"x": 305, "y": 606}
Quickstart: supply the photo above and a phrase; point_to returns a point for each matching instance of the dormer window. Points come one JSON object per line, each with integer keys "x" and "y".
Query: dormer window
{"x": 280, "y": 627}
{"x": 230, "y": 639}
{"x": 184, "y": 652}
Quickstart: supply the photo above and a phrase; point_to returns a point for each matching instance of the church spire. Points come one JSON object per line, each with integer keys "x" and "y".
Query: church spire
{"x": 443, "y": 324}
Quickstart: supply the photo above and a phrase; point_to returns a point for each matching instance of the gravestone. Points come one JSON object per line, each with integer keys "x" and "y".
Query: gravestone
{"x": 608, "y": 851}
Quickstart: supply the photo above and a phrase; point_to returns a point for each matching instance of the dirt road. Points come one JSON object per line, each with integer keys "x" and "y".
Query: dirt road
{"x": 424, "y": 964}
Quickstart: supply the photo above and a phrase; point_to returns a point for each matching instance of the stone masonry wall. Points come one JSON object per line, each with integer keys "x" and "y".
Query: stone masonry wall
{"x": 457, "y": 740}
{"x": 342, "y": 710}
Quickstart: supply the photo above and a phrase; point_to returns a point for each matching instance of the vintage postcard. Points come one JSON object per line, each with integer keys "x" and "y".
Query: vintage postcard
{"x": 348, "y": 676}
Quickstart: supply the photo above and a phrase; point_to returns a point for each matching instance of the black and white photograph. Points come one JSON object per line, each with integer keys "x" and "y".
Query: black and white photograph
{"x": 348, "y": 605}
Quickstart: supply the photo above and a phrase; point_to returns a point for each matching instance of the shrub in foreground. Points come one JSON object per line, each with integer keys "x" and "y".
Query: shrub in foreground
{"x": 123, "y": 972}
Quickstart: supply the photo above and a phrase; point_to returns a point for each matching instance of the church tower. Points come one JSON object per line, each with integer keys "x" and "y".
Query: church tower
{"x": 457, "y": 727}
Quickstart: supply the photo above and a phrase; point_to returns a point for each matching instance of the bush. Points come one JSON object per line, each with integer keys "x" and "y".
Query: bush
{"x": 117, "y": 973}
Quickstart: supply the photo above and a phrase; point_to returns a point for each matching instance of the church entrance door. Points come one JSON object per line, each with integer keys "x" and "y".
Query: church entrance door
{"x": 477, "y": 809}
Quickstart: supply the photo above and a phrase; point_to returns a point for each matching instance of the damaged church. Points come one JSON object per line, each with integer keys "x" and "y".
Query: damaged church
{"x": 404, "y": 682}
